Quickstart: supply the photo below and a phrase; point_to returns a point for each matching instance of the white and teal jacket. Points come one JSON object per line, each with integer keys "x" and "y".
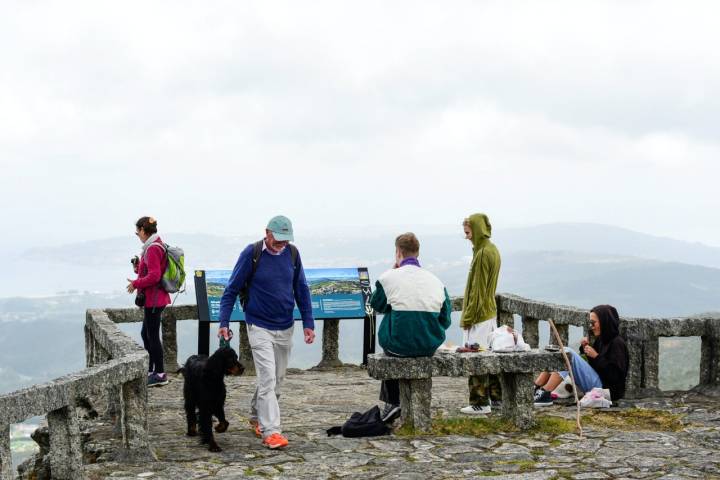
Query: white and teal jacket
{"x": 416, "y": 309}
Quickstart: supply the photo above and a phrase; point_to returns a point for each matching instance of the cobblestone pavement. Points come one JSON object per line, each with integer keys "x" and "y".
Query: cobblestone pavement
{"x": 314, "y": 401}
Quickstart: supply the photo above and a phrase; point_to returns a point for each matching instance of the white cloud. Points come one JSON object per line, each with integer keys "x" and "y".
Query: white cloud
{"x": 213, "y": 117}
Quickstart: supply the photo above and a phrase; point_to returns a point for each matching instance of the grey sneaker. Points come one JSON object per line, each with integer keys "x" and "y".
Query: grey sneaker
{"x": 157, "y": 380}
{"x": 390, "y": 412}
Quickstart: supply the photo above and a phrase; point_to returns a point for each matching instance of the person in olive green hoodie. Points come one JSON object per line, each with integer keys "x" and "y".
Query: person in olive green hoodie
{"x": 479, "y": 315}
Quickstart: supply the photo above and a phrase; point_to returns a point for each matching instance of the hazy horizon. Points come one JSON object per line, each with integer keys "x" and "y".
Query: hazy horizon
{"x": 340, "y": 231}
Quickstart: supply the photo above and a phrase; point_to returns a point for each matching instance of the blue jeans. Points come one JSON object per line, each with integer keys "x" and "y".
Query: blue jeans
{"x": 585, "y": 377}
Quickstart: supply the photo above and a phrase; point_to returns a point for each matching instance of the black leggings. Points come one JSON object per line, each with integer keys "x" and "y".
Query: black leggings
{"x": 150, "y": 334}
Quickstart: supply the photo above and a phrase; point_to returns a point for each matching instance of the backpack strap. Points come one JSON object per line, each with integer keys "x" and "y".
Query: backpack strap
{"x": 293, "y": 255}
{"x": 159, "y": 244}
{"x": 257, "y": 253}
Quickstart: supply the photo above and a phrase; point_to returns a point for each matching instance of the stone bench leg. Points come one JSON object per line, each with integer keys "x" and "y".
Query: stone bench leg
{"x": 6, "y": 470}
{"x": 415, "y": 398}
{"x": 66, "y": 458}
{"x": 517, "y": 399}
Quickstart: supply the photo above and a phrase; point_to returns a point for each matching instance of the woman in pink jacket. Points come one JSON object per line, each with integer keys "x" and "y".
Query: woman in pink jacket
{"x": 150, "y": 268}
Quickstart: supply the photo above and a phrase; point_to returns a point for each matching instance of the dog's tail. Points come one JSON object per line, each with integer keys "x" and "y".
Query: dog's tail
{"x": 181, "y": 371}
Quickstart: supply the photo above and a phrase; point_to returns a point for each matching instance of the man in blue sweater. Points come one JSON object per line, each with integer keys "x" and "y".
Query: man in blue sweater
{"x": 277, "y": 283}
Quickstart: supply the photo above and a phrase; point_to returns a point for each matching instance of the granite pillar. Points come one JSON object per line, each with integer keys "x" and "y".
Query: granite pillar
{"x": 330, "y": 347}
{"x": 415, "y": 398}
{"x": 634, "y": 379}
{"x": 530, "y": 331}
{"x": 66, "y": 457}
{"x": 134, "y": 419}
{"x": 6, "y": 470}
{"x": 563, "y": 331}
{"x": 506, "y": 318}
{"x": 245, "y": 354}
{"x": 169, "y": 341}
{"x": 517, "y": 399}
{"x": 651, "y": 366}
{"x": 710, "y": 361}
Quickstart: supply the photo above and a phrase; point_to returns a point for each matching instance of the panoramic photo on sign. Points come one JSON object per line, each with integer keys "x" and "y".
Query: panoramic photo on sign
{"x": 335, "y": 292}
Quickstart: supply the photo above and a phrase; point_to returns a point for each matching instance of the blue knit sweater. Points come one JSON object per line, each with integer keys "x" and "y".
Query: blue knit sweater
{"x": 274, "y": 289}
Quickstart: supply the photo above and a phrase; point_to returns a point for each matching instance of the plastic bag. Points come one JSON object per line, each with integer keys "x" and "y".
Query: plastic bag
{"x": 596, "y": 398}
{"x": 502, "y": 340}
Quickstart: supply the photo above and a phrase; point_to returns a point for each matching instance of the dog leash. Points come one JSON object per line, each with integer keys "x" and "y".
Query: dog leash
{"x": 226, "y": 343}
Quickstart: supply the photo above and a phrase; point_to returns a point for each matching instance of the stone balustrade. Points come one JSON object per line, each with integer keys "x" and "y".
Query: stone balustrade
{"x": 116, "y": 366}
{"x": 171, "y": 315}
{"x": 642, "y": 336}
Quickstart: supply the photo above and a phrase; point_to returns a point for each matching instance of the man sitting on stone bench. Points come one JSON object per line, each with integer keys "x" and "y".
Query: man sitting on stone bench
{"x": 416, "y": 309}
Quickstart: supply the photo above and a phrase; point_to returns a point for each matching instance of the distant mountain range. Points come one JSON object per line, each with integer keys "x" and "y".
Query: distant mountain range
{"x": 214, "y": 252}
{"x": 607, "y": 240}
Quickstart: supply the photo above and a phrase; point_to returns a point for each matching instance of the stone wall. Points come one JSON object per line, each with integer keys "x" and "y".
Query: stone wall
{"x": 116, "y": 368}
{"x": 641, "y": 335}
{"x": 171, "y": 315}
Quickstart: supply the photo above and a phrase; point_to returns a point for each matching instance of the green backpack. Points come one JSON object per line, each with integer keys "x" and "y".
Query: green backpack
{"x": 173, "y": 278}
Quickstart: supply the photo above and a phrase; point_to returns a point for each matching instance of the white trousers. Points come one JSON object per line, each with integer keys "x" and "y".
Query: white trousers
{"x": 271, "y": 351}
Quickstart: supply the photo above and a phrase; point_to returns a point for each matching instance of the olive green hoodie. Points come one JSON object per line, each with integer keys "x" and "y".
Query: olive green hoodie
{"x": 479, "y": 301}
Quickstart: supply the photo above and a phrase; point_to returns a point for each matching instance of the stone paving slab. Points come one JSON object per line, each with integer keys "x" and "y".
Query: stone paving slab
{"x": 314, "y": 401}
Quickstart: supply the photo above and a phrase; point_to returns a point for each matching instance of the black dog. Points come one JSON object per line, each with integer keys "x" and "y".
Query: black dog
{"x": 204, "y": 390}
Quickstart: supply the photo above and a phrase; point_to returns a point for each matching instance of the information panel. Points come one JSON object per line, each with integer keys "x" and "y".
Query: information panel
{"x": 335, "y": 293}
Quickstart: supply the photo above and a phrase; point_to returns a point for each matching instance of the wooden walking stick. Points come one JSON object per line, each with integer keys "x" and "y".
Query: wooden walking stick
{"x": 570, "y": 372}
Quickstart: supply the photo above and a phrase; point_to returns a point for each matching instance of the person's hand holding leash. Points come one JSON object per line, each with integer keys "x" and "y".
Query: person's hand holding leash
{"x": 130, "y": 287}
{"x": 224, "y": 333}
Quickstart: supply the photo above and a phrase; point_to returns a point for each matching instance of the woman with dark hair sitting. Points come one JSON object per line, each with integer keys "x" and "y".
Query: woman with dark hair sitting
{"x": 606, "y": 365}
{"x": 151, "y": 296}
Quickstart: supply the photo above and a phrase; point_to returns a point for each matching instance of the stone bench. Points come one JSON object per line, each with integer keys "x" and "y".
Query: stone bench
{"x": 516, "y": 371}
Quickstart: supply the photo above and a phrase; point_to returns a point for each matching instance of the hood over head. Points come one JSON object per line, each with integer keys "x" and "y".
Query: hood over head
{"x": 480, "y": 228}
{"x": 609, "y": 322}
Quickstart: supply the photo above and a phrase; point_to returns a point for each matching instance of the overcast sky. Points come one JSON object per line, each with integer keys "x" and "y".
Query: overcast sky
{"x": 214, "y": 116}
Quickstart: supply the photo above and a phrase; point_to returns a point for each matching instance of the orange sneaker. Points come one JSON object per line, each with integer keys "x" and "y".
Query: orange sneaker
{"x": 275, "y": 440}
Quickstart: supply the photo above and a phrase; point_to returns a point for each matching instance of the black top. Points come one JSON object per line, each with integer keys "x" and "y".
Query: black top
{"x": 611, "y": 365}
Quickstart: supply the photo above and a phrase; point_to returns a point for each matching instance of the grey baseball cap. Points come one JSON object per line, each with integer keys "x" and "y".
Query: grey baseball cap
{"x": 281, "y": 227}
